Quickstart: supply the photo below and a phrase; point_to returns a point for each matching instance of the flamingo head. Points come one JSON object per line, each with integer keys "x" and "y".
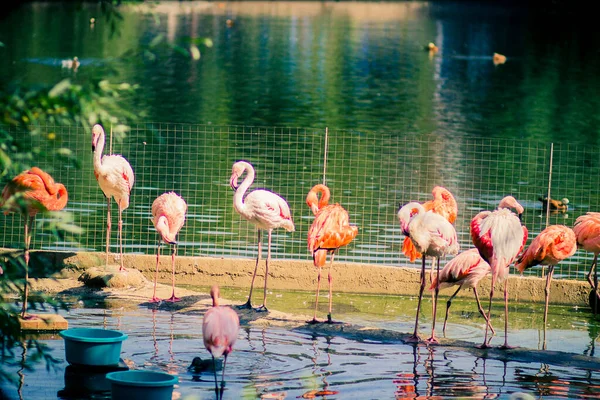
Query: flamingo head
{"x": 97, "y": 132}
{"x": 511, "y": 202}
{"x": 162, "y": 227}
{"x": 236, "y": 171}
{"x": 407, "y": 213}
{"x": 214, "y": 293}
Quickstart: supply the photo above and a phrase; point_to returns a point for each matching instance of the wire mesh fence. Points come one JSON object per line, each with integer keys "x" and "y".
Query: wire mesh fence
{"x": 369, "y": 173}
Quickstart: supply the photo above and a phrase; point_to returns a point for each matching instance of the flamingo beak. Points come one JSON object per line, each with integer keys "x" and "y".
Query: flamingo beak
{"x": 233, "y": 181}
{"x": 520, "y": 216}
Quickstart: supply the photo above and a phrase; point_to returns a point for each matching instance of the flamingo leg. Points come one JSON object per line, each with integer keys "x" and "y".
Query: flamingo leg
{"x": 314, "y": 320}
{"x": 330, "y": 279}
{"x": 223, "y": 374}
{"x": 216, "y": 380}
{"x": 155, "y": 299}
{"x": 415, "y": 337}
{"x": 505, "y": 345}
{"x": 173, "y": 298}
{"x": 433, "y": 339}
{"x": 248, "y": 304}
{"x": 28, "y": 229}
{"x": 108, "y": 226}
{"x": 263, "y": 307}
{"x": 592, "y": 269}
{"x": 547, "y": 293}
{"x": 121, "y": 268}
{"x": 485, "y": 344}
{"x": 483, "y": 312}
{"x": 448, "y": 304}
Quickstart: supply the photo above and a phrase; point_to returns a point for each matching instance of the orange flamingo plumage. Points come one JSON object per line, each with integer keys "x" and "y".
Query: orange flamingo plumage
{"x": 553, "y": 245}
{"x": 168, "y": 217}
{"x": 432, "y": 236}
{"x": 115, "y": 178}
{"x": 587, "y": 231}
{"x": 500, "y": 237}
{"x": 220, "y": 327}
{"x": 329, "y": 231}
{"x": 444, "y": 204}
{"x": 39, "y": 192}
{"x": 464, "y": 270}
{"x": 265, "y": 210}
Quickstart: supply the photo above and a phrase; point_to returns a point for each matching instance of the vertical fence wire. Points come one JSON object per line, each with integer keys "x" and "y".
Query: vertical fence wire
{"x": 370, "y": 173}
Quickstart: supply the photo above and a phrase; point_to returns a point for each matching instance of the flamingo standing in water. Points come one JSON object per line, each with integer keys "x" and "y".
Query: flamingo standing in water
{"x": 220, "y": 327}
{"x": 329, "y": 231}
{"x": 551, "y": 246}
{"x": 40, "y": 192}
{"x": 265, "y": 210}
{"x": 432, "y": 236}
{"x": 464, "y": 270}
{"x": 115, "y": 177}
{"x": 168, "y": 216}
{"x": 499, "y": 237}
{"x": 587, "y": 231}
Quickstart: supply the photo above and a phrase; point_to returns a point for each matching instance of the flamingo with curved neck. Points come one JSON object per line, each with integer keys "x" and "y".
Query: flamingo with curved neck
{"x": 262, "y": 208}
{"x": 115, "y": 177}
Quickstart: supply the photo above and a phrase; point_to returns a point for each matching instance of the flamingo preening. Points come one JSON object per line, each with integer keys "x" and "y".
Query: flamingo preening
{"x": 550, "y": 247}
{"x": 265, "y": 210}
{"x": 464, "y": 270}
{"x": 168, "y": 216}
{"x": 444, "y": 204}
{"x": 432, "y": 236}
{"x": 40, "y": 192}
{"x": 329, "y": 231}
{"x": 115, "y": 177}
{"x": 587, "y": 231}
{"x": 220, "y": 327}
{"x": 499, "y": 236}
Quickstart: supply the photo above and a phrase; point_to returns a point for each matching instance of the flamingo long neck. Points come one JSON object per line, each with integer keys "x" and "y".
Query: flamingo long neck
{"x": 98, "y": 152}
{"x": 238, "y": 197}
{"x": 325, "y": 195}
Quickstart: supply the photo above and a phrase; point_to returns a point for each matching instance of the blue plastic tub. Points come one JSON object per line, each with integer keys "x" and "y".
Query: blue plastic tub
{"x": 146, "y": 385}
{"x": 93, "y": 347}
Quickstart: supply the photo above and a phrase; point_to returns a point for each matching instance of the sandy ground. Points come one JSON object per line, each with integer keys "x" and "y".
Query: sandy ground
{"x": 301, "y": 275}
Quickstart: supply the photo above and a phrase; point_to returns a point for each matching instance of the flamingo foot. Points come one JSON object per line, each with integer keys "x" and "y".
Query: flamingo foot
{"x": 122, "y": 269}
{"x": 313, "y": 321}
{"x": 173, "y": 299}
{"x": 155, "y": 300}
{"x": 246, "y": 306}
{"x": 484, "y": 346}
{"x": 432, "y": 341}
{"x": 27, "y": 317}
{"x": 505, "y": 346}
{"x": 414, "y": 338}
{"x": 262, "y": 308}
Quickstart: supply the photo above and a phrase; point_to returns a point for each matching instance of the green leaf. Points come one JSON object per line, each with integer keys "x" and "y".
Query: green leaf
{"x": 60, "y": 88}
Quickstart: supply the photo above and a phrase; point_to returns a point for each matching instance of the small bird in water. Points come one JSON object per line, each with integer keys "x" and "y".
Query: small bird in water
{"x": 555, "y": 205}
{"x": 498, "y": 59}
{"x": 71, "y": 63}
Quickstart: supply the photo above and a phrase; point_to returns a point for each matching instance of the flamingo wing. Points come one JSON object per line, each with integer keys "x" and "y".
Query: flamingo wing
{"x": 116, "y": 178}
{"x": 220, "y": 327}
{"x": 466, "y": 269}
{"x": 587, "y": 231}
{"x": 331, "y": 229}
{"x": 552, "y": 245}
{"x": 268, "y": 210}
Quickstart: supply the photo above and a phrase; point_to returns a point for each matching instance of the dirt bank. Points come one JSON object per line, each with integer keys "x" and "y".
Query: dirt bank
{"x": 301, "y": 275}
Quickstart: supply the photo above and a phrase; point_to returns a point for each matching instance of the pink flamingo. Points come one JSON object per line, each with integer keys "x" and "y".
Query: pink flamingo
{"x": 499, "y": 237}
{"x": 432, "y": 236}
{"x": 168, "y": 216}
{"x": 329, "y": 231}
{"x": 115, "y": 177}
{"x": 464, "y": 270}
{"x": 220, "y": 327}
{"x": 39, "y": 192}
{"x": 551, "y": 246}
{"x": 265, "y": 210}
{"x": 587, "y": 231}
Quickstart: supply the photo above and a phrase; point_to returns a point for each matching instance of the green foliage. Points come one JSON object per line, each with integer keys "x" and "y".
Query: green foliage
{"x": 26, "y": 113}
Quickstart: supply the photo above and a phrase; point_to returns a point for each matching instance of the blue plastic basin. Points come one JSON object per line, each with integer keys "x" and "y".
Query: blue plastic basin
{"x": 147, "y": 385}
{"x": 92, "y": 346}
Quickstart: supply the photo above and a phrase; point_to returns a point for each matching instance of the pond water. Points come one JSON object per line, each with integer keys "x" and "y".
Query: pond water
{"x": 400, "y": 121}
{"x": 279, "y": 363}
